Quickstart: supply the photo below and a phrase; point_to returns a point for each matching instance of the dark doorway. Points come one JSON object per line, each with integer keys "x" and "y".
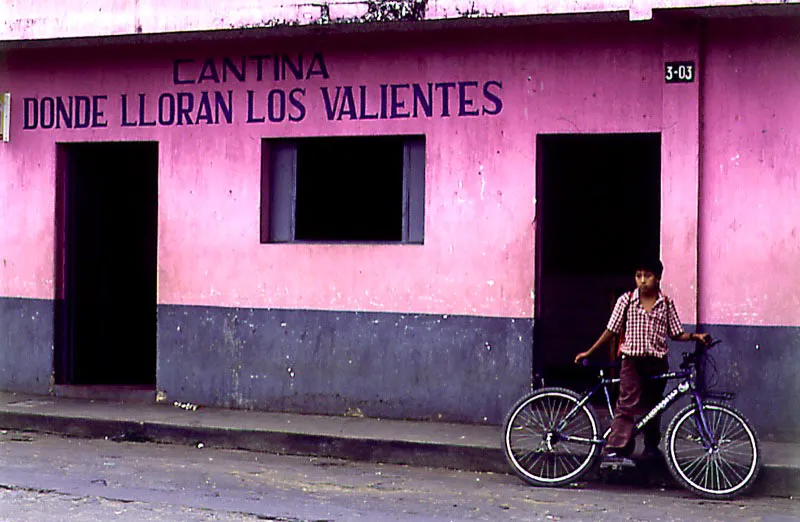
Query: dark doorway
{"x": 598, "y": 211}
{"x": 107, "y": 197}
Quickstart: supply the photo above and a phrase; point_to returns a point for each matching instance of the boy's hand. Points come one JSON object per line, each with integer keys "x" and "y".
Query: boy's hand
{"x": 703, "y": 338}
{"x": 581, "y": 356}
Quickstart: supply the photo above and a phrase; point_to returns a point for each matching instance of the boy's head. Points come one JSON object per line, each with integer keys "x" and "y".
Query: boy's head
{"x": 653, "y": 265}
{"x": 648, "y": 276}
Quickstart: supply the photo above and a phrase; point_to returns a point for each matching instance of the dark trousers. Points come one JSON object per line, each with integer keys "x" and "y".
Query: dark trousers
{"x": 637, "y": 396}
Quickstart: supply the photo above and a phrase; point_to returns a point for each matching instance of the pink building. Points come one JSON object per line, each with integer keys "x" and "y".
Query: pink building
{"x": 404, "y": 208}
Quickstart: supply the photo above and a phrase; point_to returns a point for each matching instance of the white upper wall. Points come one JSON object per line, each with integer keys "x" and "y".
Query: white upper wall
{"x": 47, "y": 19}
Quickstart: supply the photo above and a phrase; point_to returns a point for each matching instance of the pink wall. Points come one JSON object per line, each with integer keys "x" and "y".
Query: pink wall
{"x": 750, "y": 226}
{"x": 479, "y": 233}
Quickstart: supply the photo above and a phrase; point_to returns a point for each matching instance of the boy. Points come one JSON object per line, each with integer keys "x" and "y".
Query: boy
{"x": 649, "y": 317}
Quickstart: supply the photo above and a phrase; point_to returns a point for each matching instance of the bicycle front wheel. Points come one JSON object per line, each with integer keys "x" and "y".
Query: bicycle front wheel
{"x": 548, "y": 440}
{"x": 721, "y": 468}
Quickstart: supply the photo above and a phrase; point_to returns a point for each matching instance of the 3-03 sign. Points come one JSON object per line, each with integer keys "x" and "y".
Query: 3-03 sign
{"x": 679, "y": 72}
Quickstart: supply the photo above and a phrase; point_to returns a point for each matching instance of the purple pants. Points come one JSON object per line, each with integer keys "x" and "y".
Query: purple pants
{"x": 637, "y": 395}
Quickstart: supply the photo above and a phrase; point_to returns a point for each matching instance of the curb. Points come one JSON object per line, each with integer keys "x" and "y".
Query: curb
{"x": 773, "y": 480}
{"x": 467, "y": 458}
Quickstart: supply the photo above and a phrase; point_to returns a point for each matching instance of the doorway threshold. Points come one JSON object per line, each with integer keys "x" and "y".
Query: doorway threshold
{"x": 134, "y": 394}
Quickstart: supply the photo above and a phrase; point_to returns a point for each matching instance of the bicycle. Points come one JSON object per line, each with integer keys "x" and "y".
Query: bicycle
{"x": 551, "y": 435}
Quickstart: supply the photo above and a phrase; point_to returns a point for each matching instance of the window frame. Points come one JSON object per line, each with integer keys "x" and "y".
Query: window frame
{"x": 278, "y": 214}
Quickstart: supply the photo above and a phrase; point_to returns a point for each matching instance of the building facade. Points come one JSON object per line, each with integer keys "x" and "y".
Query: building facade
{"x": 395, "y": 209}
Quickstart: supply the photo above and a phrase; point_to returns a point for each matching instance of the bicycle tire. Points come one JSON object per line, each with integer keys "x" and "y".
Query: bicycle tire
{"x": 553, "y": 462}
{"x": 724, "y": 472}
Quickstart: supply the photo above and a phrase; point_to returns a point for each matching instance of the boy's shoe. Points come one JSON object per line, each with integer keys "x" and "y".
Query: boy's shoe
{"x": 653, "y": 454}
{"x": 615, "y": 461}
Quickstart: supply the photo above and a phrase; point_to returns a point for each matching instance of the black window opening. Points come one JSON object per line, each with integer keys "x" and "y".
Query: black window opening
{"x": 365, "y": 189}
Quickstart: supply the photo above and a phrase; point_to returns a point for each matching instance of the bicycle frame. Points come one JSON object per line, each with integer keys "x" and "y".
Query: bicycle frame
{"x": 686, "y": 386}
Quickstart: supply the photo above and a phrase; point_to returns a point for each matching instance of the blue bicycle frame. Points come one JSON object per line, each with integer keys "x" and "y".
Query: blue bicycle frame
{"x": 685, "y": 386}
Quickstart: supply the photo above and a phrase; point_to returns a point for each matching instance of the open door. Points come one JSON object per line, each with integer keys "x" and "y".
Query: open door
{"x": 107, "y": 221}
{"x": 598, "y": 212}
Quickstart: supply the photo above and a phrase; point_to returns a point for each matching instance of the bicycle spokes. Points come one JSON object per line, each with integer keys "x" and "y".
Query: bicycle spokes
{"x": 548, "y": 439}
{"x": 719, "y": 463}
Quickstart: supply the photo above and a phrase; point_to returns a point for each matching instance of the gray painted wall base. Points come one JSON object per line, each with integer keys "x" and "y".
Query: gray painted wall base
{"x": 440, "y": 367}
{"x": 449, "y": 368}
{"x": 26, "y": 344}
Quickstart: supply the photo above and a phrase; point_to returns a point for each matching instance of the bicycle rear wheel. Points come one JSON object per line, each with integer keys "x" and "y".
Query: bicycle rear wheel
{"x": 548, "y": 440}
{"x": 723, "y": 469}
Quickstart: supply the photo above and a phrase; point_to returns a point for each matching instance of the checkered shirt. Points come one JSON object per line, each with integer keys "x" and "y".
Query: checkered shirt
{"x": 645, "y": 332}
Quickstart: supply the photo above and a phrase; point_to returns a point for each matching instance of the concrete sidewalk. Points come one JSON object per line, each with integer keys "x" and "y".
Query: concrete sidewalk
{"x": 457, "y": 446}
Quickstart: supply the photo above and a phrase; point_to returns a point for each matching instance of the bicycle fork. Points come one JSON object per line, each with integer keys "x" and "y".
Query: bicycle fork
{"x": 706, "y": 436}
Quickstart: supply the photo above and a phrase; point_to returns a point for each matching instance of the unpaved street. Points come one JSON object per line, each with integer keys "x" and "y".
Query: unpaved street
{"x": 50, "y": 478}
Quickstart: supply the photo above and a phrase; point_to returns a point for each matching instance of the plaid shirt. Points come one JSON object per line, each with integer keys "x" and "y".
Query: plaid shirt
{"x": 645, "y": 332}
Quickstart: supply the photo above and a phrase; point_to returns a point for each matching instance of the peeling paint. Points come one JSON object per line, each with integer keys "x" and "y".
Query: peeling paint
{"x": 377, "y": 11}
{"x": 394, "y": 11}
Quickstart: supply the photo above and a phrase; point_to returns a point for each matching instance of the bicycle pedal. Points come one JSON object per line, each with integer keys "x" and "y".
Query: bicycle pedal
{"x": 618, "y": 465}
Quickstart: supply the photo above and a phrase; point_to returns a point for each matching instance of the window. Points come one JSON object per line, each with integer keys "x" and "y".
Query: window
{"x": 366, "y": 189}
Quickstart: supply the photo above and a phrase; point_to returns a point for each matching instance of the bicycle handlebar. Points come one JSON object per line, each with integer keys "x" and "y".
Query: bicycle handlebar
{"x": 705, "y": 347}
{"x": 687, "y": 357}
{"x": 700, "y": 349}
